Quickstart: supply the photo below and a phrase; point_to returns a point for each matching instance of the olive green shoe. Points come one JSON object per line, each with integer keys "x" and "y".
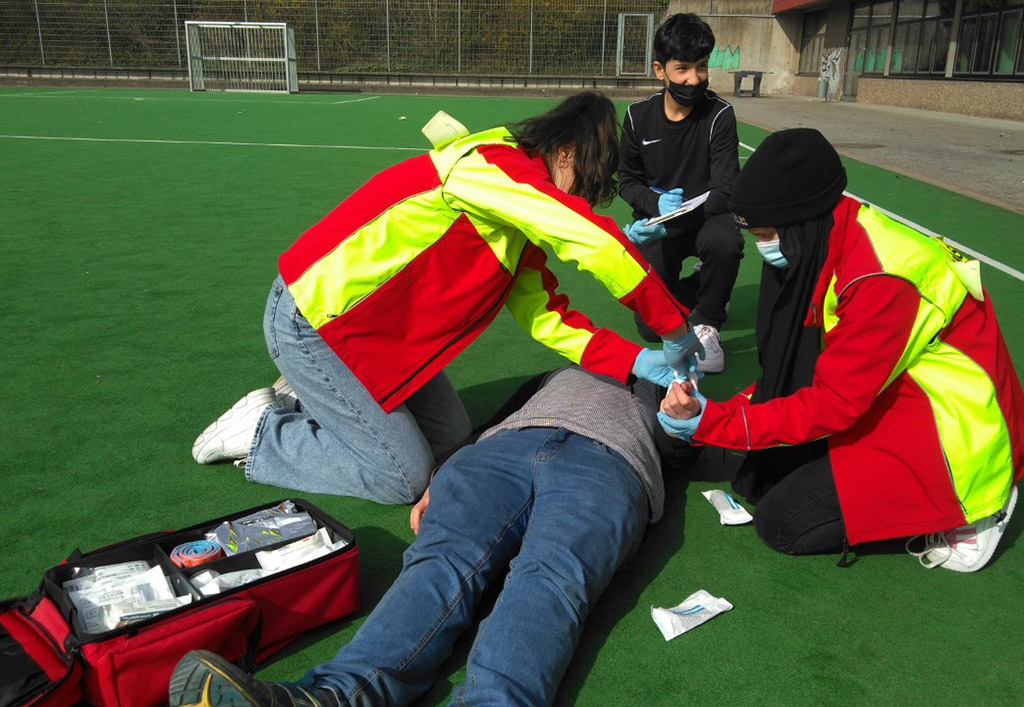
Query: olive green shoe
{"x": 204, "y": 679}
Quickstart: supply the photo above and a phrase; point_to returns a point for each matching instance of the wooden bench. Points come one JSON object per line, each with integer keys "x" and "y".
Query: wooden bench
{"x": 737, "y": 88}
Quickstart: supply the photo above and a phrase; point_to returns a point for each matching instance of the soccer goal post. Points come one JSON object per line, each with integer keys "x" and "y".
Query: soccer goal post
{"x": 241, "y": 56}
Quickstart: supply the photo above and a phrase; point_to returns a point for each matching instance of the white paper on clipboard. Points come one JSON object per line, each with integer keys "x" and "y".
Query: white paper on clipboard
{"x": 688, "y": 206}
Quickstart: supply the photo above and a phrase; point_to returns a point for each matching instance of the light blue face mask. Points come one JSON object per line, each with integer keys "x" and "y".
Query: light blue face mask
{"x": 772, "y": 253}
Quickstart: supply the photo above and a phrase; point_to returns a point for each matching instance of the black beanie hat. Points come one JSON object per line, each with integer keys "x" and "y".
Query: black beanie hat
{"x": 793, "y": 176}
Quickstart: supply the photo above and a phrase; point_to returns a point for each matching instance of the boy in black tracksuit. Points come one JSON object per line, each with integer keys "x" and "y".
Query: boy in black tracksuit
{"x": 683, "y": 140}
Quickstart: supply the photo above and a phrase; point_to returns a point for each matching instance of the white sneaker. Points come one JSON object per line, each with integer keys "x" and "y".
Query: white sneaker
{"x": 714, "y": 356}
{"x": 969, "y": 547}
{"x": 230, "y": 435}
{"x": 285, "y": 394}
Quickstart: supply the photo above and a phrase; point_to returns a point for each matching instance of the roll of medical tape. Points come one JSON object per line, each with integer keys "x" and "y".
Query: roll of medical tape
{"x": 195, "y": 553}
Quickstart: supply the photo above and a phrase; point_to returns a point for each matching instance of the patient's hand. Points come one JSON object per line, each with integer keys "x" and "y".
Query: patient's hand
{"x": 681, "y": 401}
{"x": 418, "y": 511}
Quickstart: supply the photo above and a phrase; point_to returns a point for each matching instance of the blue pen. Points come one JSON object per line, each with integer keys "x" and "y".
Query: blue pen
{"x": 659, "y": 190}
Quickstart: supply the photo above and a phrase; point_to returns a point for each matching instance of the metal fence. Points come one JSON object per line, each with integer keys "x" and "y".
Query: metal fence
{"x": 447, "y": 37}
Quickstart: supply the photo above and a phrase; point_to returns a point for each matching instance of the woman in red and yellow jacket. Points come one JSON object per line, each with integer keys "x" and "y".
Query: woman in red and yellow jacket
{"x": 889, "y": 405}
{"x": 375, "y": 300}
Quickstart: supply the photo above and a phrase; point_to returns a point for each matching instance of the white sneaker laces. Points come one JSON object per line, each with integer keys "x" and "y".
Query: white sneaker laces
{"x": 939, "y": 547}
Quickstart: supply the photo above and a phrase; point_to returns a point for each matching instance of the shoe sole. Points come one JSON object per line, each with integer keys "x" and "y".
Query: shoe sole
{"x": 223, "y": 426}
{"x": 984, "y": 559}
{"x": 191, "y": 683}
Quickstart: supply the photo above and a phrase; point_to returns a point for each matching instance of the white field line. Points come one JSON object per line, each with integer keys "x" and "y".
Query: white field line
{"x": 1012, "y": 272}
{"x": 209, "y": 142}
{"x": 48, "y": 94}
{"x": 77, "y": 94}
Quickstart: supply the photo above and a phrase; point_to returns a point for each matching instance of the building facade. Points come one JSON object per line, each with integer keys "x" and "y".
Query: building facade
{"x": 961, "y": 56}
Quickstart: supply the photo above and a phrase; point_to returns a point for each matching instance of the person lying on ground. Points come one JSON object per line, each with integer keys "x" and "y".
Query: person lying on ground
{"x": 553, "y": 499}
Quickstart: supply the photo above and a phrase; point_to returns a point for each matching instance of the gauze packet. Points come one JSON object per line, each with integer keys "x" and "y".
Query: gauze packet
{"x": 729, "y": 512}
{"x": 695, "y": 610}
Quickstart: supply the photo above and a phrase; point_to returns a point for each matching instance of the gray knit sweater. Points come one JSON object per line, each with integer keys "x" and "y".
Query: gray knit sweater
{"x": 601, "y": 408}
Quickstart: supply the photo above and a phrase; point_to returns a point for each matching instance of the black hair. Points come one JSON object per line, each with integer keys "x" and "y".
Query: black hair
{"x": 683, "y": 37}
{"x": 588, "y": 122}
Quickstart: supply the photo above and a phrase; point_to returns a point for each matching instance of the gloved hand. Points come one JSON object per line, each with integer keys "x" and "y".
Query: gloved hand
{"x": 682, "y": 353}
{"x": 639, "y": 232}
{"x": 684, "y": 429}
{"x": 670, "y": 201}
{"x": 650, "y": 365}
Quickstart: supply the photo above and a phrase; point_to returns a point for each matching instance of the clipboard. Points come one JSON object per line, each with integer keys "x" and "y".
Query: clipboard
{"x": 688, "y": 206}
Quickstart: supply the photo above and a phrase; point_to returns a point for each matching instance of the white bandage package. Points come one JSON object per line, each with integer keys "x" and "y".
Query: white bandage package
{"x": 729, "y": 512}
{"x": 695, "y": 610}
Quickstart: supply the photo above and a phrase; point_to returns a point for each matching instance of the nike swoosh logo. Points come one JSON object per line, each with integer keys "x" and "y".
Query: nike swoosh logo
{"x": 650, "y": 142}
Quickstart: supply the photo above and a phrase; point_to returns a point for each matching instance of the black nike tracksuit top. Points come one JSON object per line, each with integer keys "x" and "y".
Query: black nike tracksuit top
{"x": 698, "y": 153}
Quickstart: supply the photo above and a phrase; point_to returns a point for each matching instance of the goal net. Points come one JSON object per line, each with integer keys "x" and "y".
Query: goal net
{"x": 241, "y": 56}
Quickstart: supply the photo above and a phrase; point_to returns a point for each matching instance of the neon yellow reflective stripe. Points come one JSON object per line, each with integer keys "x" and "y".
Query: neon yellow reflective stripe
{"x": 528, "y": 304}
{"x": 828, "y": 314}
{"x": 955, "y": 383}
{"x": 506, "y": 242}
{"x": 491, "y": 196}
{"x": 923, "y": 261}
{"x": 371, "y": 256}
{"x": 447, "y": 157}
{"x": 927, "y": 324}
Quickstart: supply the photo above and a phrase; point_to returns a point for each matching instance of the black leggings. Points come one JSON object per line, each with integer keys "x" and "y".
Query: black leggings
{"x": 799, "y": 514}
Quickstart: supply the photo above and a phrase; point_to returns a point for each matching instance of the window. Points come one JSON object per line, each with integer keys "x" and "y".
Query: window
{"x": 922, "y": 36}
{"x": 812, "y": 43}
{"x": 990, "y": 39}
{"x": 870, "y": 25}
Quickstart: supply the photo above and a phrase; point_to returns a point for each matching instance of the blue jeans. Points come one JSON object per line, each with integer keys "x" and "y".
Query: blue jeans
{"x": 557, "y": 510}
{"x": 341, "y": 441}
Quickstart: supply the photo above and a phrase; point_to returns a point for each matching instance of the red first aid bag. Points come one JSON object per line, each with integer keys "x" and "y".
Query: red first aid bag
{"x": 49, "y": 659}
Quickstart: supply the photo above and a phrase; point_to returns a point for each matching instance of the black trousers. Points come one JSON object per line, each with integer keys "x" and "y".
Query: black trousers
{"x": 797, "y": 509}
{"x": 719, "y": 245}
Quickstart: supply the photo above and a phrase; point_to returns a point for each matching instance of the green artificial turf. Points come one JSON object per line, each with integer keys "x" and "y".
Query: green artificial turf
{"x": 135, "y": 275}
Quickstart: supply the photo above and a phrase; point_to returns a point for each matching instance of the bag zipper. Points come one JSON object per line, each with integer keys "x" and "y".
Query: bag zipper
{"x": 67, "y": 655}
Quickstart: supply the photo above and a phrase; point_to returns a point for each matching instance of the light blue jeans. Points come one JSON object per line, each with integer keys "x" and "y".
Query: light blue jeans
{"x": 563, "y": 511}
{"x": 340, "y": 441}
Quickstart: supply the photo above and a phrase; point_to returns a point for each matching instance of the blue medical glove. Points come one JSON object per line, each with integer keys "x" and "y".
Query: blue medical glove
{"x": 639, "y": 232}
{"x": 684, "y": 429}
{"x": 670, "y": 201}
{"x": 682, "y": 353}
{"x": 650, "y": 365}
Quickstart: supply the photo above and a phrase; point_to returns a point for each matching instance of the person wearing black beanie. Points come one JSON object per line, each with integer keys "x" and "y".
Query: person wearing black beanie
{"x": 795, "y": 175}
{"x": 878, "y": 348}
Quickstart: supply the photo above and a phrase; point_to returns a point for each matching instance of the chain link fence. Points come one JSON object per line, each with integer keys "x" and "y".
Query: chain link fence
{"x": 440, "y": 37}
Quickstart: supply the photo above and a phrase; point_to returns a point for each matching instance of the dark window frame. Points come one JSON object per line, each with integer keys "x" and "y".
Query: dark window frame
{"x": 974, "y": 59}
{"x": 812, "y": 47}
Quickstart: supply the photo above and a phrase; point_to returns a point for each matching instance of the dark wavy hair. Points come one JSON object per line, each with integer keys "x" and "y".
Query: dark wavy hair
{"x": 589, "y": 122}
{"x": 683, "y": 37}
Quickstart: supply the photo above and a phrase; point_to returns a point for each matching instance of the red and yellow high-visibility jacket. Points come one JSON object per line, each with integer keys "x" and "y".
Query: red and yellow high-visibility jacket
{"x": 409, "y": 270}
{"x": 914, "y": 389}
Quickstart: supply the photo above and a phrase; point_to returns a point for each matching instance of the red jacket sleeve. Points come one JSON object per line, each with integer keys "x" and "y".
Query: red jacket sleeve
{"x": 876, "y": 318}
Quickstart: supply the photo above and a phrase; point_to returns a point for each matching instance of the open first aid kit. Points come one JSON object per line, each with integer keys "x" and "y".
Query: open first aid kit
{"x": 107, "y": 627}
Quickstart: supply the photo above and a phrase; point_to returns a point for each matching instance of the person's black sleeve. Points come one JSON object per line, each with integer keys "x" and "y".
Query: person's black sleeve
{"x": 725, "y": 163}
{"x": 632, "y": 180}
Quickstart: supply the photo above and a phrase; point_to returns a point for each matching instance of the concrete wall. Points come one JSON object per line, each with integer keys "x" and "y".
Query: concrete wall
{"x": 984, "y": 99}
{"x": 748, "y": 37}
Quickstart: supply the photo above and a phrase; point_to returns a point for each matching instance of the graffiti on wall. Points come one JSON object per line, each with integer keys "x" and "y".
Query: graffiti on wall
{"x": 725, "y": 58}
{"x": 831, "y": 71}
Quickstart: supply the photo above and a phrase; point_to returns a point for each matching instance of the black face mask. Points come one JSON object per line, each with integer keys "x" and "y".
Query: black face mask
{"x": 687, "y": 95}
